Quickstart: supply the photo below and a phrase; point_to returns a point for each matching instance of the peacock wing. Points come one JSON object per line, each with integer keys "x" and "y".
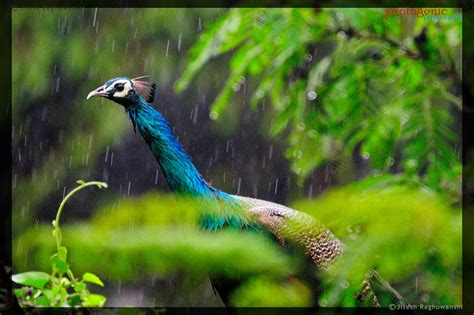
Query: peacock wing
{"x": 295, "y": 227}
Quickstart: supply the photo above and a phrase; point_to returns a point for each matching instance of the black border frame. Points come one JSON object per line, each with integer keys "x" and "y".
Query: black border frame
{"x": 6, "y": 128}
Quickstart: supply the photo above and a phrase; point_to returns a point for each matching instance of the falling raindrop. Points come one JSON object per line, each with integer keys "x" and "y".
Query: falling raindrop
{"x": 276, "y": 186}
{"x": 341, "y": 34}
{"x": 126, "y": 47}
{"x": 238, "y": 185}
{"x": 87, "y": 158}
{"x": 365, "y": 155}
{"x": 95, "y": 17}
{"x": 105, "y": 175}
{"x": 308, "y": 57}
{"x": 179, "y": 42}
{"x": 89, "y": 145}
{"x": 311, "y": 95}
{"x": 213, "y": 115}
{"x": 195, "y": 114}
{"x": 106, "y": 153}
{"x": 270, "y": 152}
{"x": 96, "y": 47}
{"x": 167, "y": 48}
{"x": 14, "y": 181}
{"x": 58, "y": 81}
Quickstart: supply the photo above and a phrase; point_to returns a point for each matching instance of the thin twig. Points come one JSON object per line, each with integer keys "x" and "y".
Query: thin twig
{"x": 386, "y": 285}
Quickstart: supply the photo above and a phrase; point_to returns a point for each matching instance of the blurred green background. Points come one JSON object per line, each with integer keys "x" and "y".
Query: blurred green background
{"x": 342, "y": 113}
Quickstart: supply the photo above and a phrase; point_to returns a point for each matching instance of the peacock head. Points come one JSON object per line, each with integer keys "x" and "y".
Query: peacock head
{"x": 125, "y": 91}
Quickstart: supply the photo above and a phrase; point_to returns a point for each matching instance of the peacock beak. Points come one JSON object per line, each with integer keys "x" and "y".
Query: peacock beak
{"x": 100, "y": 91}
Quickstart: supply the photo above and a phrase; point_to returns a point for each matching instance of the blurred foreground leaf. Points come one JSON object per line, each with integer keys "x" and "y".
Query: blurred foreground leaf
{"x": 411, "y": 236}
{"x": 35, "y": 279}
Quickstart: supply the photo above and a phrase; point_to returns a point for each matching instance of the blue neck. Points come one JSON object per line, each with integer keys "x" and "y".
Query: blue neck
{"x": 180, "y": 173}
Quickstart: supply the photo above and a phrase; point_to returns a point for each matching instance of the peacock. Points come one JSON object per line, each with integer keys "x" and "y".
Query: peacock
{"x": 286, "y": 225}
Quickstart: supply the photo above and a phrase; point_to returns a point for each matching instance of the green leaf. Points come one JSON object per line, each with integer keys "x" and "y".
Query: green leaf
{"x": 43, "y": 301}
{"x": 226, "y": 33}
{"x": 62, "y": 253}
{"x": 60, "y": 264}
{"x": 48, "y": 293}
{"x": 19, "y": 293}
{"x": 80, "y": 286}
{"x": 94, "y": 300}
{"x": 74, "y": 300}
{"x": 92, "y": 278}
{"x": 35, "y": 279}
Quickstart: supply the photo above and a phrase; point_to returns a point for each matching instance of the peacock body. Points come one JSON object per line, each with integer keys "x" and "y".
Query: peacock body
{"x": 285, "y": 224}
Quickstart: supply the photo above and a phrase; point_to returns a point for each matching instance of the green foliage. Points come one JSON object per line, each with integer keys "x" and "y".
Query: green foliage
{"x": 259, "y": 292}
{"x": 403, "y": 230}
{"x": 345, "y": 81}
{"x": 55, "y": 289}
{"x": 151, "y": 235}
{"x": 407, "y": 233}
{"x": 35, "y": 279}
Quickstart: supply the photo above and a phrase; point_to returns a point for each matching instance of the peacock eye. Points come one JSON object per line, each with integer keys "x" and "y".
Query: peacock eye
{"x": 119, "y": 87}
